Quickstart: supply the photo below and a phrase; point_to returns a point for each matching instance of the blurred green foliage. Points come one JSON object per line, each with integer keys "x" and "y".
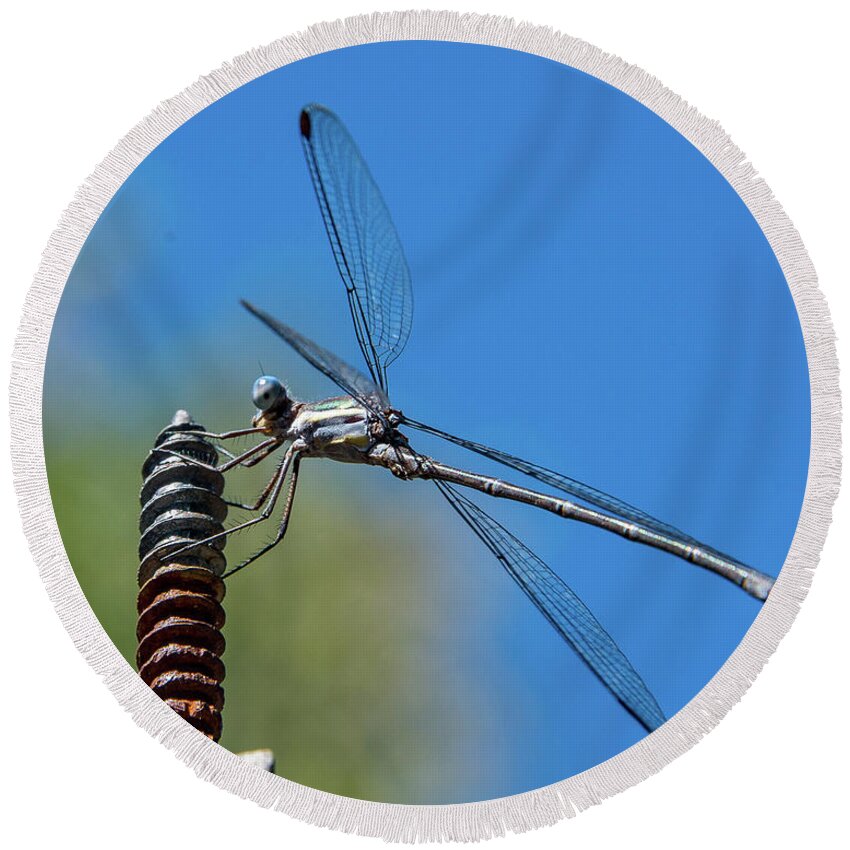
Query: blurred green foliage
{"x": 330, "y": 638}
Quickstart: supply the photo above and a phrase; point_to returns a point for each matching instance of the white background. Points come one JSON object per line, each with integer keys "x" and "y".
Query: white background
{"x": 76, "y": 78}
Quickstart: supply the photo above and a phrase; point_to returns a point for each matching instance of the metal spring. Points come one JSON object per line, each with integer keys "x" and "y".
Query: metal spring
{"x": 179, "y": 603}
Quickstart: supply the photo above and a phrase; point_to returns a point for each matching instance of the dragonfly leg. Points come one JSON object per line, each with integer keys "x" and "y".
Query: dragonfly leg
{"x": 284, "y": 522}
{"x": 260, "y": 501}
{"x": 253, "y": 455}
{"x": 266, "y": 447}
{"x": 227, "y": 435}
{"x": 223, "y": 451}
{"x": 274, "y": 488}
{"x": 261, "y": 456}
{"x": 252, "y": 462}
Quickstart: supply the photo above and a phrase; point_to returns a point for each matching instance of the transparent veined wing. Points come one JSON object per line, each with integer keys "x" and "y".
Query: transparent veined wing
{"x": 569, "y": 616}
{"x": 349, "y": 379}
{"x": 363, "y": 238}
{"x": 597, "y": 498}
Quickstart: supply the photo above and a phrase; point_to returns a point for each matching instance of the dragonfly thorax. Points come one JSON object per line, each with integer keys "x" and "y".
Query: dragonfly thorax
{"x": 339, "y": 427}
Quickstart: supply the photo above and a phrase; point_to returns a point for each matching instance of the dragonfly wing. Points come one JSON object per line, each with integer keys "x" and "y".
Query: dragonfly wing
{"x": 349, "y": 379}
{"x": 570, "y": 617}
{"x": 577, "y": 489}
{"x": 363, "y": 238}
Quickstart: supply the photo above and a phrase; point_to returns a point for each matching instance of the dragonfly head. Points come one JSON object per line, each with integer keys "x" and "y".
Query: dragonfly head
{"x": 272, "y": 402}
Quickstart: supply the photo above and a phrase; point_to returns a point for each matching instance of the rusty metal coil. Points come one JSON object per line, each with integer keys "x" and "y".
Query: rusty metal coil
{"x": 180, "y": 643}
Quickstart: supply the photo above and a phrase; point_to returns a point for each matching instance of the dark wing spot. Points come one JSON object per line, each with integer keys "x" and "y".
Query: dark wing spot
{"x": 305, "y": 124}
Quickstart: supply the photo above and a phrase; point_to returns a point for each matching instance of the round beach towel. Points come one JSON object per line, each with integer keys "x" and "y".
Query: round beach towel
{"x": 436, "y": 428}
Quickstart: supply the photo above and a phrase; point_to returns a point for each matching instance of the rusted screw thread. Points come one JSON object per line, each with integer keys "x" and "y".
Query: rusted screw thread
{"x": 179, "y": 603}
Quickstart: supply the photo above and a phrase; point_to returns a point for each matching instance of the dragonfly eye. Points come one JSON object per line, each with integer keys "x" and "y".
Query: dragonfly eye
{"x": 267, "y": 392}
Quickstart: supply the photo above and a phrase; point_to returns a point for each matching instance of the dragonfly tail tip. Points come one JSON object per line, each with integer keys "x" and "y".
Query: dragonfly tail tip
{"x": 304, "y": 124}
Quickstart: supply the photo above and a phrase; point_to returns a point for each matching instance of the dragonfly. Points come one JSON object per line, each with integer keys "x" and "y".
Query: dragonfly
{"x": 362, "y": 426}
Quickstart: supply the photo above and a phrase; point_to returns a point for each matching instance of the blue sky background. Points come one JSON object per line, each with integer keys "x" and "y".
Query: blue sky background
{"x": 589, "y": 293}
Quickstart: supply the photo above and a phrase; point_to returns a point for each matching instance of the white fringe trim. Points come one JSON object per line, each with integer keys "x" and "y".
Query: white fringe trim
{"x": 469, "y": 821}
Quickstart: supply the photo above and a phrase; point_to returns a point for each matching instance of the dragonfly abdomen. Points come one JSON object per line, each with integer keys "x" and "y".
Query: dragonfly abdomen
{"x": 753, "y": 581}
